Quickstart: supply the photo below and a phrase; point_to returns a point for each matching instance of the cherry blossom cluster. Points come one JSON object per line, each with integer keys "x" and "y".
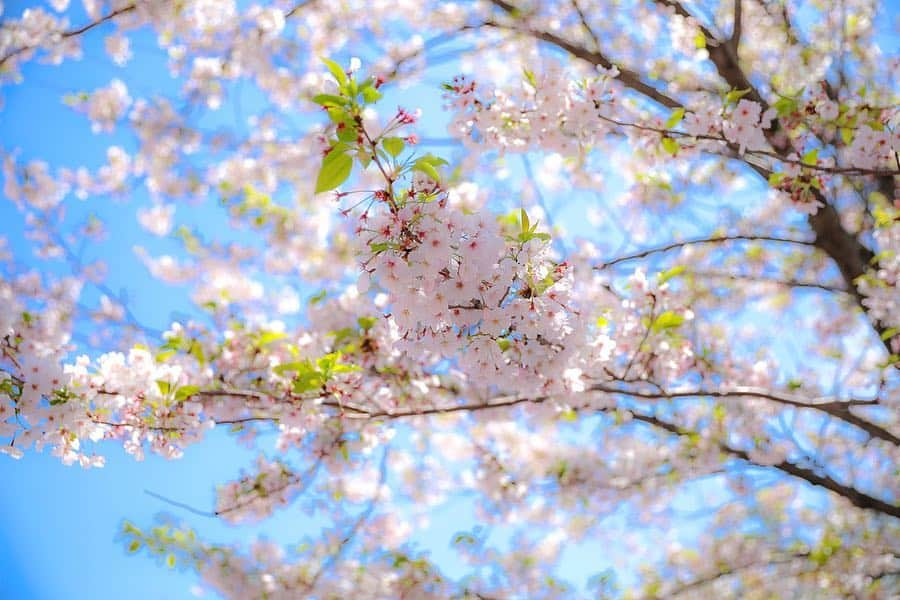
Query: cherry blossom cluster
{"x": 105, "y": 106}
{"x": 551, "y": 111}
{"x": 474, "y": 355}
{"x": 554, "y": 111}
{"x": 881, "y": 287}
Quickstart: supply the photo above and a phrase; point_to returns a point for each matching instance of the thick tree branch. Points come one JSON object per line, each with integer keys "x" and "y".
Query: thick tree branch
{"x": 849, "y": 254}
{"x": 736, "y": 31}
{"x": 836, "y": 408}
{"x": 722, "y": 54}
{"x": 708, "y": 240}
{"x": 849, "y": 493}
{"x": 839, "y": 409}
{"x": 628, "y": 77}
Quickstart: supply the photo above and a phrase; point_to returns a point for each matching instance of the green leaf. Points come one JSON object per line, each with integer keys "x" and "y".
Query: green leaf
{"x": 338, "y": 115}
{"x": 847, "y": 135}
{"x": 427, "y": 168}
{"x": 336, "y": 71}
{"x": 810, "y": 157}
{"x": 366, "y": 323}
{"x": 673, "y": 272}
{"x": 196, "y": 350}
{"x": 670, "y": 146}
{"x": 186, "y": 391}
{"x": 164, "y": 387}
{"x": 734, "y": 95}
{"x": 666, "y": 321}
{"x": 170, "y": 561}
{"x": 889, "y": 333}
{"x": 134, "y": 546}
{"x": 393, "y": 145}
{"x": 523, "y": 219}
{"x": 775, "y": 179}
{"x": 291, "y": 367}
{"x": 165, "y": 355}
{"x": 699, "y": 40}
{"x": 347, "y": 134}
{"x": 785, "y": 106}
{"x": 675, "y": 119}
{"x": 330, "y": 100}
{"x": 335, "y": 170}
{"x": 267, "y": 337}
{"x": 435, "y": 161}
{"x": 370, "y": 95}
{"x": 529, "y": 77}
{"x": 719, "y": 413}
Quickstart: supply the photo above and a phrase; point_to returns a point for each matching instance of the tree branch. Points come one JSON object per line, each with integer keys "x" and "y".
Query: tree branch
{"x": 849, "y": 493}
{"x": 771, "y": 280}
{"x": 839, "y": 409}
{"x": 736, "y": 31}
{"x": 709, "y": 240}
{"x": 72, "y": 32}
{"x": 836, "y": 408}
{"x": 628, "y": 77}
{"x": 691, "y": 586}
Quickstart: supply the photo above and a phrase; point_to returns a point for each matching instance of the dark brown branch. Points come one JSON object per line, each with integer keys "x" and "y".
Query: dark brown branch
{"x": 794, "y": 283}
{"x": 585, "y": 25}
{"x": 839, "y": 409}
{"x": 709, "y": 240}
{"x": 849, "y": 493}
{"x": 721, "y": 54}
{"x": 736, "y": 153}
{"x": 836, "y": 408}
{"x": 628, "y": 77}
{"x": 73, "y": 32}
{"x": 736, "y": 31}
{"x": 850, "y": 255}
{"x": 697, "y": 583}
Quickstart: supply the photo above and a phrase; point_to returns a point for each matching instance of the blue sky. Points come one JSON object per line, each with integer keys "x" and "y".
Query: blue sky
{"x": 58, "y": 524}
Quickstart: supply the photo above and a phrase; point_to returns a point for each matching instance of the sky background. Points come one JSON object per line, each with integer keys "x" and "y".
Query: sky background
{"x": 59, "y": 525}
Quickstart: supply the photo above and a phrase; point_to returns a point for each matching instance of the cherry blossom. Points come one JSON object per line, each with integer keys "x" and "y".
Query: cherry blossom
{"x": 412, "y": 321}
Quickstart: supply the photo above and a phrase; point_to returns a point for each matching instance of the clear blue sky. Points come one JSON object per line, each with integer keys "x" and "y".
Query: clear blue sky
{"x": 58, "y": 524}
